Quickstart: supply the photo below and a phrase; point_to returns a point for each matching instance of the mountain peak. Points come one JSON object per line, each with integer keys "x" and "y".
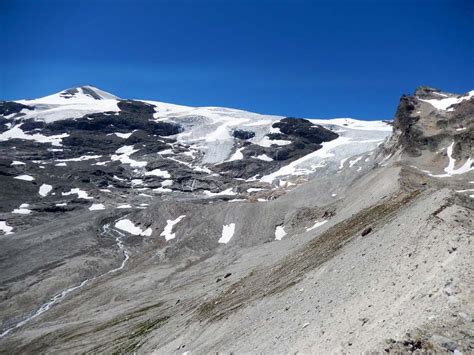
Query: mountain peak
{"x": 87, "y": 90}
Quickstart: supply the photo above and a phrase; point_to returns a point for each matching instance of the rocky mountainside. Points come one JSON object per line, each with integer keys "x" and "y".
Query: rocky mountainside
{"x": 140, "y": 226}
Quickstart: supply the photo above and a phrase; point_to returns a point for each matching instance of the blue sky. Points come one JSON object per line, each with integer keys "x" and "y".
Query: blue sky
{"x": 296, "y": 58}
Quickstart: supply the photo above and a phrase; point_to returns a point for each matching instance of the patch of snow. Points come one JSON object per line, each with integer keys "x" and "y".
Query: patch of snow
{"x": 341, "y": 164}
{"x": 228, "y": 191}
{"x": 136, "y": 182}
{"x": 82, "y": 158}
{"x": 80, "y": 193}
{"x": 227, "y": 233}
{"x": 292, "y": 168}
{"x": 129, "y": 227}
{"x": 24, "y": 177}
{"x": 279, "y": 233}
{"x": 124, "y": 206}
{"x": 267, "y": 142}
{"x": 17, "y": 133}
{"x": 60, "y": 164}
{"x": 5, "y": 228}
{"x": 202, "y": 169}
{"x": 23, "y": 209}
{"x": 162, "y": 190}
{"x": 263, "y": 157}
{"x": 254, "y": 189}
{"x": 45, "y": 189}
{"x": 158, "y": 172}
{"x": 147, "y": 232}
{"x": 16, "y": 162}
{"x": 450, "y": 169}
{"x": 316, "y": 225}
{"x": 123, "y": 135}
{"x": 123, "y": 155}
{"x": 96, "y": 207}
{"x": 355, "y": 124}
{"x": 237, "y": 155}
{"x": 61, "y": 204}
{"x": 443, "y": 104}
{"x": 168, "y": 231}
{"x": 165, "y": 183}
{"x": 353, "y": 162}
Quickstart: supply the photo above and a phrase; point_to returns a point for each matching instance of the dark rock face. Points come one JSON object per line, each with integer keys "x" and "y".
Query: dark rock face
{"x": 134, "y": 115}
{"x": 67, "y": 94}
{"x": 417, "y": 131}
{"x": 136, "y": 107}
{"x": 303, "y": 135}
{"x": 91, "y": 93}
{"x": 242, "y": 134}
{"x": 10, "y": 107}
{"x": 410, "y": 136}
{"x": 29, "y": 125}
{"x": 304, "y": 130}
{"x": 426, "y": 92}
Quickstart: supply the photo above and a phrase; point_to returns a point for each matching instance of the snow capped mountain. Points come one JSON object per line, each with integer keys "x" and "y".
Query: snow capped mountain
{"x": 127, "y": 225}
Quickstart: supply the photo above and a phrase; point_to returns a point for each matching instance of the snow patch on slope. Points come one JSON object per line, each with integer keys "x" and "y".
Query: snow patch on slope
{"x": 227, "y": 233}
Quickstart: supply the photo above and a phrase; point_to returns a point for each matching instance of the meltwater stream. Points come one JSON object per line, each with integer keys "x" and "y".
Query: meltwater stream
{"x": 60, "y": 296}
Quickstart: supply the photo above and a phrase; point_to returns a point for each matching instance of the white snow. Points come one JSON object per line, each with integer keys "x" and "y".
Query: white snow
{"x": 254, "y": 189}
{"x": 263, "y": 157}
{"x": 353, "y": 162}
{"x": 317, "y": 159}
{"x": 24, "y": 177}
{"x": 23, "y": 209}
{"x": 96, "y": 207}
{"x": 56, "y": 107}
{"x": 316, "y": 225}
{"x": 267, "y": 142}
{"x": 443, "y": 104}
{"x": 351, "y": 123}
{"x": 237, "y": 155}
{"x": 222, "y": 193}
{"x": 158, "y": 172}
{"x": 450, "y": 169}
{"x": 124, "y": 206}
{"x": 80, "y": 193}
{"x": 170, "y": 223}
{"x": 17, "y": 133}
{"x": 136, "y": 182}
{"x": 341, "y": 164}
{"x": 227, "y": 233}
{"x": 60, "y": 164}
{"x": 162, "y": 190}
{"x": 147, "y": 232}
{"x": 61, "y": 204}
{"x": 123, "y": 155}
{"x": 82, "y": 158}
{"x": 165, "y": 183}
{"x": 279, "y": 233}
{"x": 129, "y": 227}
{"x": 16, "y": 162}
{"x": 126, "y": 149}
{"x": 291, "y": 169}
{"x": 123, "y": 135}
{"x": 45, "y": 189}
{"x": 5, "y": 228}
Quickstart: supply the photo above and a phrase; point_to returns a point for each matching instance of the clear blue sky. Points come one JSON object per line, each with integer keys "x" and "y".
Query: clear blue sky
{"x": 300, "y": 58}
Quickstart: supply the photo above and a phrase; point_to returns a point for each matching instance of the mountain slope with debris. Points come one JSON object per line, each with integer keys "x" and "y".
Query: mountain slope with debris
{"x": 138, "y": 226}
